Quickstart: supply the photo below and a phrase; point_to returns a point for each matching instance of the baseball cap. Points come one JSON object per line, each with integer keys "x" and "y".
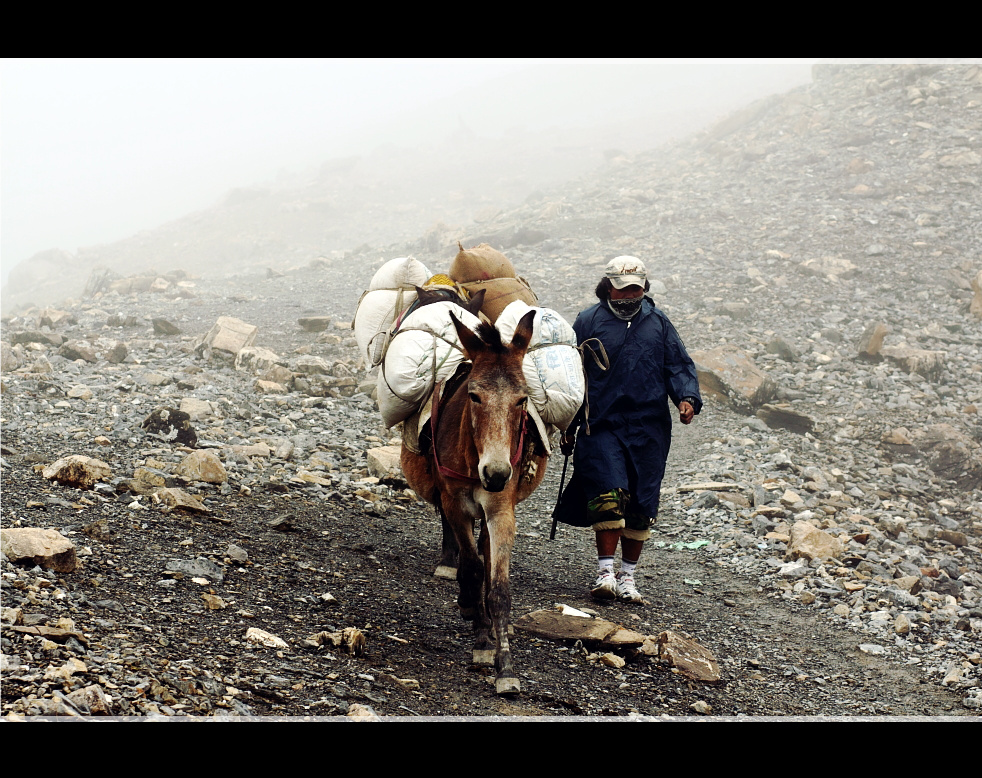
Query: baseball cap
{"x": 625, "y": 271}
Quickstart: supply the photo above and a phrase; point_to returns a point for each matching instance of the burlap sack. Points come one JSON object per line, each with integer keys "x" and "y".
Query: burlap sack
{"x": 479, "y": 264}
{"x": 500, "y": 292}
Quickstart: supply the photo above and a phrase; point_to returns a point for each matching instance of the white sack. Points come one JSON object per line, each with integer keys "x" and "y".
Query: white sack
{"x": 376, "y": 316}
{"x": 400, "y": 273}
{"x": 391, "y": 291}
{"x": 407, "y": 375}
{"x": 553, "y": 368}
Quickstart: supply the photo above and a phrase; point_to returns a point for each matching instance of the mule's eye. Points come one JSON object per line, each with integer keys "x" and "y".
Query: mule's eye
{"x": 474, "y": 398}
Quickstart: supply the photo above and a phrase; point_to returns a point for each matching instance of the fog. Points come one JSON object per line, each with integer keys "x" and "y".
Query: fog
{"x": 94, "y": 151}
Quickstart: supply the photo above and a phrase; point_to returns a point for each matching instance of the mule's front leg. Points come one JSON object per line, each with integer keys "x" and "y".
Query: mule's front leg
{"x": 501, "y": 532}
{"x": 471, "y": 578}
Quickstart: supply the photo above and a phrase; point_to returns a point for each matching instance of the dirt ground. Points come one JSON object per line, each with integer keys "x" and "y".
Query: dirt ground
{"x": 377, "y": 563}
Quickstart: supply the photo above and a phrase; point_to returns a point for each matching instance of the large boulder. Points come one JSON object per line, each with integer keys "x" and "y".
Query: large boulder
{"x": 202, "y": 465}
{"x": 8, "y": 358}
{"x": 731, "y": 375}
{"x": 809, "y": 542}
{"x": 171, "y": 425}
{"x": 230, "y": 335}
{"x": 975, "y": 307}
{"x": 255, "y": 359}
{"x": 929, "y": 364}
{"x": 80, "y": 472}
{"x": 951, "y": 454}
{"x": 47, "y": 548}
{"x": 871, "y": 341}
{"x": 384, "y": 462}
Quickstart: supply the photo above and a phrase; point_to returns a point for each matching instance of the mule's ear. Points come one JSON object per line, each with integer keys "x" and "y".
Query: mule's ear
{"x": 476, "y": 301}
{"x": 472, "y": 344}
{"x": 523, "y": 332}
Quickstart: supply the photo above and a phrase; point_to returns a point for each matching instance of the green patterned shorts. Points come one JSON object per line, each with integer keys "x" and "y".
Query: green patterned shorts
{"x": 613, "y": 510}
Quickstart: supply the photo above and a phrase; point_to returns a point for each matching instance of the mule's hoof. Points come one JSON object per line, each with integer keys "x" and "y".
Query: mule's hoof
{"x": 483, "y": 657}
{"x": 448, "y": 573}
{"x": 508, "y": 685}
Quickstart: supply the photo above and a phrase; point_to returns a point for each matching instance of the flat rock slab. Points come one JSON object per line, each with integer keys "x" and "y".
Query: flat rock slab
{"x": 314, "y": 323}
{"x": 196, "y": 568}
{"x": 557, "y": 626}
{"x": 929, "y": 364}
{"x": 54, "y": 634}
{"x": 252, "y": 450}
{"x": 692, "y": 659}
{"x": 710, "y": 486}
{"x": 179, "y": 499}
{"x": 834, "y": 267}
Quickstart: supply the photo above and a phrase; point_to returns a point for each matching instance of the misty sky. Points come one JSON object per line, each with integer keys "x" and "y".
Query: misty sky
{"x": 93, "y": 151}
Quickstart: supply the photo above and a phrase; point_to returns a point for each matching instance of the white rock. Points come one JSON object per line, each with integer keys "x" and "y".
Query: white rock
{"x": 260, "y": 638}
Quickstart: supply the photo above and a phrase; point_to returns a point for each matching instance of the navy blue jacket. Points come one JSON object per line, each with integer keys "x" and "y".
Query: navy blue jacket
{"x": 630, "y": 418}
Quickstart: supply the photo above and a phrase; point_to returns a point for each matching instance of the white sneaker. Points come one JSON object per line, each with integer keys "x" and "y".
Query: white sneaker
{"x": 626, "y": 590}
{"x": 606, "y": 587}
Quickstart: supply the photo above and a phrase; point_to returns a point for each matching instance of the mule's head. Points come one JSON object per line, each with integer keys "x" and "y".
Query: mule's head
{"x": 497, "y": 397}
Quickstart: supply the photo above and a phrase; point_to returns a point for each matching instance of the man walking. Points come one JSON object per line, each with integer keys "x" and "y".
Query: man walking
{"x": 620, "y": 457}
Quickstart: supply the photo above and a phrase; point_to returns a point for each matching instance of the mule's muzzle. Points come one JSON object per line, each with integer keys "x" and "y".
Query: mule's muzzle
{"x": 493, "y": 479}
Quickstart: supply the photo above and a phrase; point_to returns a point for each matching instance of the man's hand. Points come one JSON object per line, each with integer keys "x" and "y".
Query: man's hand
{"x": 567, "y": 442}
{"x": 686, "y": 412}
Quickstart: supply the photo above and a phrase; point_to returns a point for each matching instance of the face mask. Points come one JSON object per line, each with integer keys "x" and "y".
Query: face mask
{"x": 625, "y": 309}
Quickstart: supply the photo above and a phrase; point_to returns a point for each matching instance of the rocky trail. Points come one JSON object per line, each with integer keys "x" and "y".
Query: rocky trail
{"x": 821, "y": 524}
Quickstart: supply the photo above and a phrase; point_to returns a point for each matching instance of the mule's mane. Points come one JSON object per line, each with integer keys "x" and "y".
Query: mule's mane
{"x": 491, "y": 337}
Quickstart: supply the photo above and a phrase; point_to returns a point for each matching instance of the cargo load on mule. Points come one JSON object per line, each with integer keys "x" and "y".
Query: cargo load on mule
{"x": 482, "y": 267}
{"x": 403, "y": 326}
{"x": 424, "y": 350}
{"x": 391, "y": 291}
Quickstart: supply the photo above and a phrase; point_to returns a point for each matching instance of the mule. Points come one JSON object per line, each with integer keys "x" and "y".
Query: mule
{"x": 482, "y": 462}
